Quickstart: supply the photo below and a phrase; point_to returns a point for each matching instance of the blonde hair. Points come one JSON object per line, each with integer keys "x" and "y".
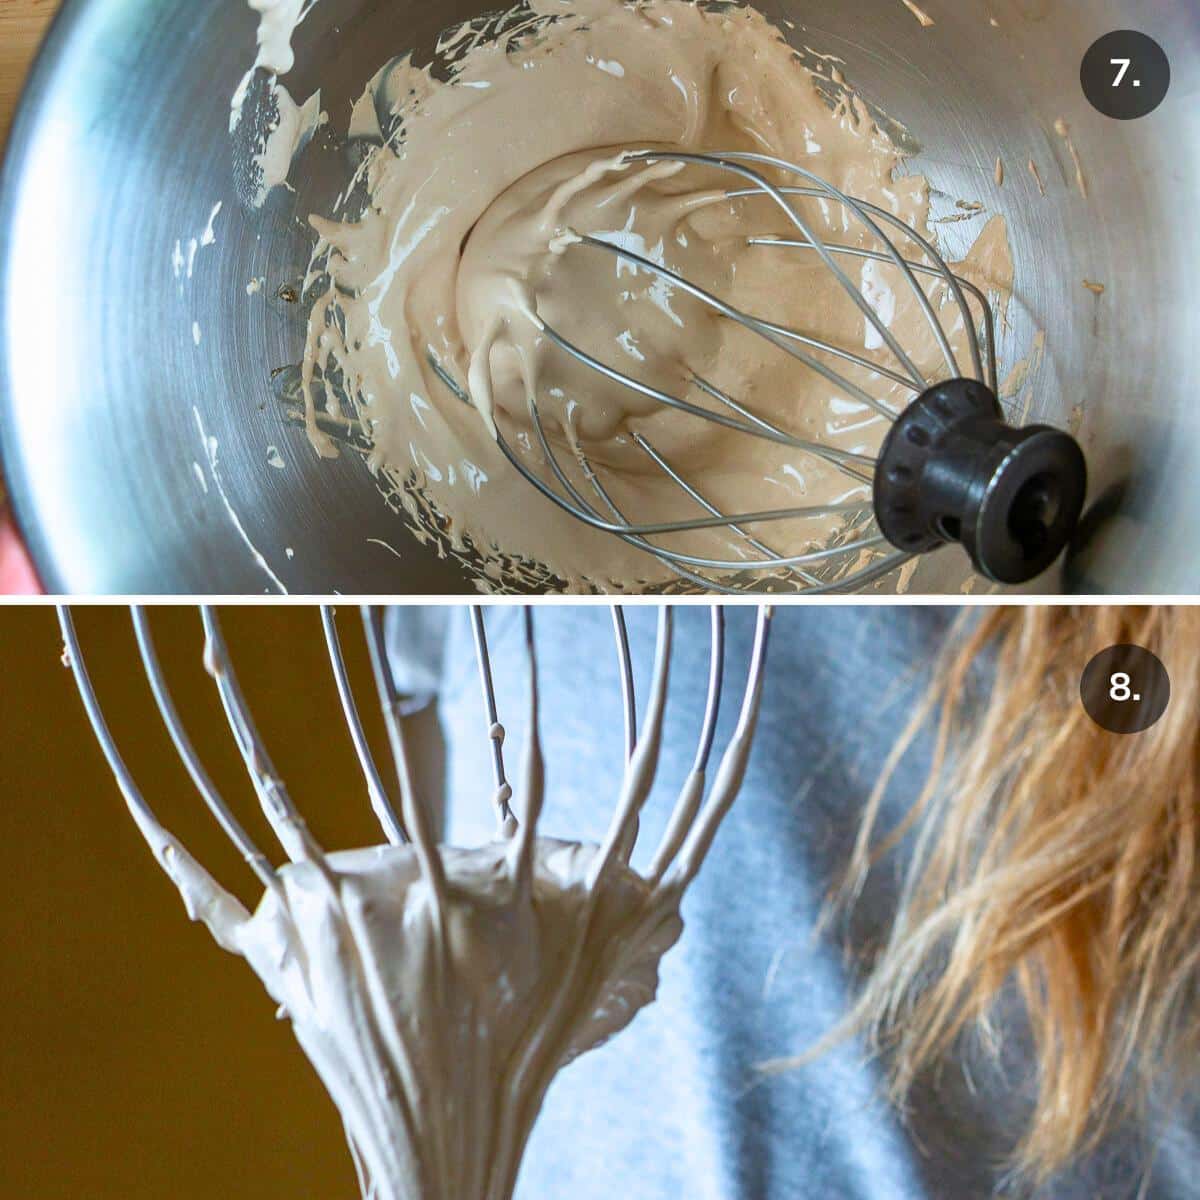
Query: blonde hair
{"x": 1048, "y": 853}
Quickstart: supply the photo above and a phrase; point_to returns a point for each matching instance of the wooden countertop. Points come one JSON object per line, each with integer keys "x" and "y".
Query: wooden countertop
{"x": 22, "y": 23}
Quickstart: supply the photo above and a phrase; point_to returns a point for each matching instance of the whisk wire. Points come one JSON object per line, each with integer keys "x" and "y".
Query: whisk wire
{"x": 706, "y": 504}
{"x": 579, "y": 508}
{"x": 941, "y": 270}
{"x": 726, "y": 162}
{"x": 630, "y": 532}
{"x": 380, "y": 801}
{"x": 503, "y": 793}
{"x": 782, "y": 339}
{"x": 845, "y": 460}
{"x": 732, "y": 768}
{"x": 213, "y": 800}
{"x": 690, "y": 829}
{"x": 819, "y": 246}
{"x": 415, "y": 817}
{"x": 625, "y": 667}
{"x": 282, "y": 815}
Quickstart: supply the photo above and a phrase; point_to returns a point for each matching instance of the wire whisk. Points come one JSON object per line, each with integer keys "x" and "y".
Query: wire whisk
{"x": 380, "y": 957}
{"x": 949, "y": 469}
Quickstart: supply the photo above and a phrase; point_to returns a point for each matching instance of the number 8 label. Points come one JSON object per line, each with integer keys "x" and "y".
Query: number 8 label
{"x": 1108, "y": 693}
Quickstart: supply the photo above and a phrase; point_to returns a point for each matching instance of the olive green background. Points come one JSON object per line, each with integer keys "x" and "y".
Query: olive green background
{"x": 139, "y": 1059}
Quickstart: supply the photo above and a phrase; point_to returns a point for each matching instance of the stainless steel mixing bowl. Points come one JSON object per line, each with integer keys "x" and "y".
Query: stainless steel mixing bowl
{"x": 120, "y": 151}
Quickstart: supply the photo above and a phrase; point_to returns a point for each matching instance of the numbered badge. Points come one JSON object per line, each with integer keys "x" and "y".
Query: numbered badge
{"x": 1125, "y": 689}
{"x": 1125, "y": 75}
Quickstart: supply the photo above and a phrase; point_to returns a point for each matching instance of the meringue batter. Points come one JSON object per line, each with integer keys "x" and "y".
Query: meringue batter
{"x": 459, "y": 238}
{"x": 438, "y": 991}
{"x": 437, "y": 1022}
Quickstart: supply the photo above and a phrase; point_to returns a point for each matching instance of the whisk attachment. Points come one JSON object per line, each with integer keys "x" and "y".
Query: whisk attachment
{"x": 952, "y": 470}
{"x": 437, "y": 989}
